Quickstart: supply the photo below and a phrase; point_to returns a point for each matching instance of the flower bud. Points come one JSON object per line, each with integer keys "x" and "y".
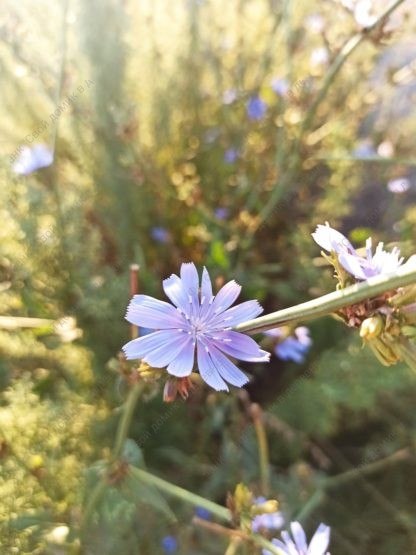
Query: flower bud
{"x": 170, "y": 391}
{"x": 371, "y": 327}
{"x": 270, "y": 506}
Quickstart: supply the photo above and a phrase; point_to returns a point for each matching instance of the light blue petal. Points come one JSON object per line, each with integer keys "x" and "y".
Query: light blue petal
{"x": 225, "y": 297}
{"x": 299, "y": 536}
{"x": 240, "y": 346}
{"x": 174, "y": 289}
{"x": 237, "y": 314}
{"x": 320, "y": 541}
{"x": 207, "y": 369}
{"x": 352, "y": 264}
{"x": 332, "y": 240}
{"x": 206, "y": 286}
{"x": 290, "y": 546}
{"x": 226, "y": 368}
{"x": 160, "y": 342}
{"x": 151, "y": 313}
{"x": 190, "y": 280}
{"x": 183, "y": 363}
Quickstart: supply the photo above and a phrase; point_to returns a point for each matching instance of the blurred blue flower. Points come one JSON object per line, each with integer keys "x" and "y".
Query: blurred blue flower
{"x": 169, "y": 544}
{"x": 160, "y": 234}
{"x": 230, "y": 155}
{"x": 399, "y": 185}
{"x": 256, "y": 108}
{"x": 221, "y": 213}
{"x": 267, "y": 521}
{"x": 319, "y": 56}
{"x": 229, "y": 96}
{"x": 379, "y": 263}
{"x": 292, "y": 348}
{"x": 296, "y": 543}
{"x": 199, "y": 322}
{"x": 203, "y": 513}
{"x": 280, "y": 86}
{"x": 315, "y": 22}
{"x": 33, "y": 158}
{"x": 364, "y": 149}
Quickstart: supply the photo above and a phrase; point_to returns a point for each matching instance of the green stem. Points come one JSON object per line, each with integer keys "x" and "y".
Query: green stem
{"x": 331, "y": 302}
{"x": 122, "y": 431}
{"x": 187, "y": 496}
{"x": 280, "y": 191}
{"x": 125, "y": 421}
{"x": 345, "y": 478}
{"x": 342, "y": 57}
{"x": 263, "y": 448}
{"x": 92, "y": 502}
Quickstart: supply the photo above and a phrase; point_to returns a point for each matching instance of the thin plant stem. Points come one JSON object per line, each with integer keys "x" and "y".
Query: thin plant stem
{"x": 340, "y": 60}
{"x": 259, "y": 427}
{"x": 238, "y": 536}
{"x": 331, "y": 302}
{"x": 125, "y": 421}
{"x": 176, "y": 491}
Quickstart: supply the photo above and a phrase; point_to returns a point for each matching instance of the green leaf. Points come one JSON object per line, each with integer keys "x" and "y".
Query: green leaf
{"x": 34, "y": 519}
{"x": 132, "y": 453}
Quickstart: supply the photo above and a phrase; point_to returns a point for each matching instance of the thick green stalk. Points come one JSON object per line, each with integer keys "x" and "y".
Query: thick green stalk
{"x": 187, "y": 496}
{"x": 331, "y": 302}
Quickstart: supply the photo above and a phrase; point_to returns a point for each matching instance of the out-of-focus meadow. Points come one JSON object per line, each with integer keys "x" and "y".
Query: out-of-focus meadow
{"x": 222, "y": 133}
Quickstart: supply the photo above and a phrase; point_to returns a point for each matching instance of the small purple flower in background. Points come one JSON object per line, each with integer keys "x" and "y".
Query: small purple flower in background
{"x": 319, "y": 56}
{"x": 200, "y": 512}
{"x": 382, "y": 262}
{"x": 221, "y": 213}
{"x": 280, "y": 86}
{"x": 398, "y": 186}
{"x": 296, "y": 544}
{"x": 267, "y": 521}
{"x": 198, "y": 322}
{"x": 256, "y": 108}
{"x": 365, "y": 149}
{"x": 33, "y": 158}
{"x": 292, "y": 348}
{"x": 230, "y": 155}
{"x": 160, "y": 234}
{"x": 229, "y": 96}
{"x": 362, "y": 13}
{"x": 315, "y": 22}
{"x": 169, "y": 544}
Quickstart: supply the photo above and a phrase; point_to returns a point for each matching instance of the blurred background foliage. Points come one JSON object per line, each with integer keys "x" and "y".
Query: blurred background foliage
{"x": 191, "y": 130}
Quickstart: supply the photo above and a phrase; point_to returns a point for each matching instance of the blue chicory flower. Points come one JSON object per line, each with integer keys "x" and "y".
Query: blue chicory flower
{"x": 221, "y": 213}
{"x": 364, "y": 150}
{"x": 267, "y": 521}
{"x": 292, "y": 348}
{"x": 200, "y": 512}
{"x": 296, "y": 543}
{"x": 256, "y": 108}
{"x": 230, "y": 155}
{"x": 169, "y": 544}
{"x": 280, "y": 86}
{"x": 198, "y": 322}
{"x": 362, "y": 268}
{"x": 160, "y": 234}
{"x": 319, "y": 56}
{"x": 399, "y": 185}
{"x": 33, "y": 158}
